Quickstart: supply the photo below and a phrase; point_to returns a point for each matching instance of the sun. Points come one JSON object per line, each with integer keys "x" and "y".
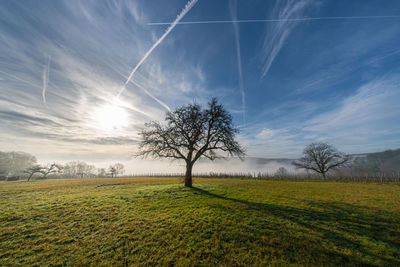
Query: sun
{"x": 111, "y": 116}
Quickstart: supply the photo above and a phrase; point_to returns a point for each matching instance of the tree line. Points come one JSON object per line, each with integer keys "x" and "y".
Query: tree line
{"x": 17, "y": 165}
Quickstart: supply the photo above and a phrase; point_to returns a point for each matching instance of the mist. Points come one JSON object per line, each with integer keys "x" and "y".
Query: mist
{"x": 138, "y": 166}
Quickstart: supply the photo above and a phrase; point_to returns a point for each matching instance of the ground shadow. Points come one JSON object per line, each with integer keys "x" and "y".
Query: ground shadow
{"x": 336, "y": 222}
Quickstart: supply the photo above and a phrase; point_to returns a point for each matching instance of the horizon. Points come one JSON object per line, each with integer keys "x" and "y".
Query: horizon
{"x": 79, "y": 80}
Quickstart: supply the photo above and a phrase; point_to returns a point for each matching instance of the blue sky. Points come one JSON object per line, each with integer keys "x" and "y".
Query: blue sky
{"x": 319, "y": 71}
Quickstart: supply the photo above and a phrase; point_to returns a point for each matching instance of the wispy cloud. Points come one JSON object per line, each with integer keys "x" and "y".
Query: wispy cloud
{"x": 185, "y": 10}
{"x": 275, "y": 20}
{"x": 362, "y": 117}
{"x": 19, "y": 79}
{"x": 365, "y": 121}
{"x": 86, "y": 73}
{"x": 318, "y": 89}
{"x": 352, "y": 55}
{"x": 275, "y": 142}
{"x": 233, "y": 10}
{"x": 276, "y": 34}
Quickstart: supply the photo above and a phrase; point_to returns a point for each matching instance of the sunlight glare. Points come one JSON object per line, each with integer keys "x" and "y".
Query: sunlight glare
{"x": 111, "y": 116}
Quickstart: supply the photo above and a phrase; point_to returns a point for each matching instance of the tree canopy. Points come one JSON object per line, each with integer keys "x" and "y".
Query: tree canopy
{"x": 190, "y": 133}
{"x": 321, "y": 157}
{"x": 15, "y": 163}
{"x": 117, "y": 168}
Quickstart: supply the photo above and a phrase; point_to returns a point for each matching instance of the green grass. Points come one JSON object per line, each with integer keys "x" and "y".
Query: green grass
{"x": 157, "y": 221}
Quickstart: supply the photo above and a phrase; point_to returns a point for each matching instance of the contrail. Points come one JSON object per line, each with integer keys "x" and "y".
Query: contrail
{"x": 273, "y": 20}
{"x": 46, "y": 73}
{"x": 239, "y": 57}
{"x": 185, "y": 10}
{"x": 148, "y": 93}
{"x": 152, "y": 96}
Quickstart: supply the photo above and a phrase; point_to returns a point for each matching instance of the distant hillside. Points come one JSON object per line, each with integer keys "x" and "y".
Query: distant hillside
{"x": 254, "y": 160}
{"x": 386, "y": 161}
{"x": 268, "y": 160}
{"x": 248, "y": 165}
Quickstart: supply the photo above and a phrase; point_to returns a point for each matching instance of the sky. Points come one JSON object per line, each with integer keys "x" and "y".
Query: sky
{"x": 79, "y": 79}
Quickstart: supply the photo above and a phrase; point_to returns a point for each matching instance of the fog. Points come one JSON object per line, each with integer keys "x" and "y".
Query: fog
{"x": 231, "y": 165}
{"x": 17, "y": 163}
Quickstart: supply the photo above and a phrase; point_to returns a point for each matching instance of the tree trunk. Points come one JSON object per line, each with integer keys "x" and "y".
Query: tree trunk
{"x": 188, "y": 176}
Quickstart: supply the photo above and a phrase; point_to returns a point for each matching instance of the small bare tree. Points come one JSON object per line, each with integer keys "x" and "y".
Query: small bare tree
{"x": 85, "y": 170}
{"x": 116, "y": 169}
{"x": 32, "y": 170}
{"x": 281, "y": 172}
{"x": 112, "y": 171}
{"x": 321, "y": 157}
{"x": 190, "y": 133}
{"x": 78, "y": 169}
{"x": 53, "y": 168}
{"x": 101, "y": 172}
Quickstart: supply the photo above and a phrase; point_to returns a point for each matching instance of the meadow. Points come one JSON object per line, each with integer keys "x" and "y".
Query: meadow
{"x": 235, "y": 222}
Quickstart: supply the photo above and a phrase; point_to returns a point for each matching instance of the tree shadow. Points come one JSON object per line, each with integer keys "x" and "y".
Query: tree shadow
{"x": 337, "y": 222}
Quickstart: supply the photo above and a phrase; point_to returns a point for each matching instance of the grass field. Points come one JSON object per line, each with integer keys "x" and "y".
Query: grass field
{"x": 157, "y": 221}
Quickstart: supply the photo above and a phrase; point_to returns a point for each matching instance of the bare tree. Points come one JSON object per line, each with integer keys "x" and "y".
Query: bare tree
{"x": 281, "y": 172}
{"x": 190, "y": 133}
{"x": 101, "y": 172}
{"x": 32, "y": 170}
{"x": 321, "y": 157}
{"x": 116, "y": 169}
{"x": 53, "y": 168}
{"x": 78, "y": 169}
{"x": 15, "y": 163}
{"x": 84, "y": 169}
{"x": 70, "y": 169}
{"x": 112, "y": 171}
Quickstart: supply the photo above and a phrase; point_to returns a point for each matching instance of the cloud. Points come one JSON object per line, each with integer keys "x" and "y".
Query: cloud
{"x": 274, "y": 142}
{"x": 233, "y": 10}
{"x": 363, "y": 117}
{"x": 364, "y": 121}
{"x": 235, "y": 20}
{"x": 267, "y": 134}
{"x": 185, "y": 10}
{"x": 92, "y": 47}
{"x": 21, "y": 118}
{"x": 277, "y": 33}
{"x": 119, "y": 140}
{"x": 354, "y": 58}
